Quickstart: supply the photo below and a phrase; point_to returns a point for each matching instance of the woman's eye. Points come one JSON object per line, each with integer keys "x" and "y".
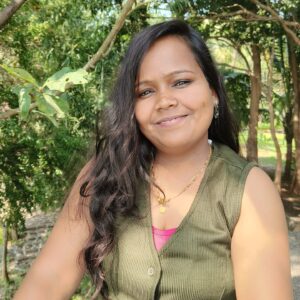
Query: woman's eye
{"x": 144, "y": 93}
{"x": 182, "y": 82}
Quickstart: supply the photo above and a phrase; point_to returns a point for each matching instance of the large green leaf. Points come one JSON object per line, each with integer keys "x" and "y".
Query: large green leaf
{"x": 66, "y": 77}
{"x": 58, "y": 75}
{"x": 24, "y": 102}
{"x": 61, "y": 100}
{"x": 17, "y": 88}
{"x": 20, "y": 74}
{"x": 52, "y": 102}
{"x": 44, "y": 106}
{"x": 52, "y": 107}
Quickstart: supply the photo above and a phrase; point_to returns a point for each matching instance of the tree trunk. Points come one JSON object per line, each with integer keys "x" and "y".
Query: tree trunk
{"x": 255, "y": 80}
{"x": 287, "y": 121}
{"x": 9, "y": 11}
{"x": 278, "y": 170}
{"x": 288, "y": 133}
{"x": 4, "y": 254}
{"x": 294, "y": 65}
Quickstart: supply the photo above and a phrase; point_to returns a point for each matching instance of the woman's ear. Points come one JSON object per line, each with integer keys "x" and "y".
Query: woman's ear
{"x": 215, "y": 97}
{"x": 216, "y": 101}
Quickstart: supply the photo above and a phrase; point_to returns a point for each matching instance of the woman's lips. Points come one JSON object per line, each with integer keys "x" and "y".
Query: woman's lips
{"x": 170, "y": 121}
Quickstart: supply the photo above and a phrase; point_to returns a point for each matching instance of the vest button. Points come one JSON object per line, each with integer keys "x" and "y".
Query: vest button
{"x": 150, "y": 271}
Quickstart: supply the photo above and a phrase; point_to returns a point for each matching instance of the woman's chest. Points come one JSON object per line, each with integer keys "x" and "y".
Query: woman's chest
{"x": 194, "y": 264}
{"x": 172, "y": 213}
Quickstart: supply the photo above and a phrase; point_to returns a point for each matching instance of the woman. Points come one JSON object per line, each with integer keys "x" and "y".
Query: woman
{"x": 169, "y": 209}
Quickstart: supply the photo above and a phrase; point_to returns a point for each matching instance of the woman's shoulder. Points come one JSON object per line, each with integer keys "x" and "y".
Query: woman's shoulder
{"x": 262, "y": 220}
{"x": 227, "y": 156}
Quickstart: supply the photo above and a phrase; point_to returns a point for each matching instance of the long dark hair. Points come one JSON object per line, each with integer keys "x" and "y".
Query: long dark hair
{"x": 123, "y": 154}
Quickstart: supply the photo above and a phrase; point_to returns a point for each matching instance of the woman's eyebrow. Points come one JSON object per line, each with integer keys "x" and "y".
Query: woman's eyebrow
{"x": 178, "y": 72}
{"x": 167, "y": 75}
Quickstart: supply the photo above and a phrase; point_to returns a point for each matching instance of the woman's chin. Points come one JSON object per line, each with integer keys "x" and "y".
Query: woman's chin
{"x": 173, "y": 147}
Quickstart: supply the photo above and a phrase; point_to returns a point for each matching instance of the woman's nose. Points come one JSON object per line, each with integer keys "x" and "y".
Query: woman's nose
{"x": 166, "y": 100}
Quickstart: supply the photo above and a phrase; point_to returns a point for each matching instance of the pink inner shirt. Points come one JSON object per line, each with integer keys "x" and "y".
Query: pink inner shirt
{"x": 161, "y": 237}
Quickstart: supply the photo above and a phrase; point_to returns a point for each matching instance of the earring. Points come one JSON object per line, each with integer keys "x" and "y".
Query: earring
{"x": 216, "y": 111}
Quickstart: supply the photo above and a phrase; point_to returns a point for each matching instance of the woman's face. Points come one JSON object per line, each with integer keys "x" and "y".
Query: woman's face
{"x": 174, "y": 103}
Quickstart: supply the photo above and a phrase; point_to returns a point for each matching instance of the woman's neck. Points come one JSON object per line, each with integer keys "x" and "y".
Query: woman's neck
{"x": 188, "y": 161}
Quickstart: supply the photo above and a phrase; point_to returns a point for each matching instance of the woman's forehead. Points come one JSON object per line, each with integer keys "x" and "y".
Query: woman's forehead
{"x": 168, "y": 55}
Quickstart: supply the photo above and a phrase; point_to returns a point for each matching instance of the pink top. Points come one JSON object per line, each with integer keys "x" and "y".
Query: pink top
{"x": 161, "y": 237}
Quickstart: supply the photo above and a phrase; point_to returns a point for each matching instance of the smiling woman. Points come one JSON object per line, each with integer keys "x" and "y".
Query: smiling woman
{"x": 169, "y": 209}
{"x": 175, "y": 103}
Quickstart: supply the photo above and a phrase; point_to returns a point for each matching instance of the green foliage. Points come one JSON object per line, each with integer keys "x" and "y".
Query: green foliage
{"x": 33, "y": 164}
{"x": 24, "y": 102}
{"x": 66, "y": 77}
{"x": 1, "y": 237}
{"x": 49, "y": 97}
{"x": 85, "y": 289}
{"x": 42, "y": 52}
{"x": 266, "y": 148}
{"x": 238, "y": 90}
{"x": 21, "y": 74}
{"x": 8, "y": 290}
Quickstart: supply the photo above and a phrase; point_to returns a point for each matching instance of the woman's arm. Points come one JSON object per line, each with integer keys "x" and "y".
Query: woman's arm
{"x": 260, "y": 251}
{"x": 57, "y": 272}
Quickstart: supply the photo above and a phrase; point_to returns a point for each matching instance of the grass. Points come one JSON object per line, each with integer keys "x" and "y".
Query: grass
{"x": 8, "y": 290}
{"x": 266, "y": 148}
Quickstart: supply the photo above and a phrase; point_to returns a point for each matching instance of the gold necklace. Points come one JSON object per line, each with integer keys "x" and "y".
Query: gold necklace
{"x": 160, "y": 197}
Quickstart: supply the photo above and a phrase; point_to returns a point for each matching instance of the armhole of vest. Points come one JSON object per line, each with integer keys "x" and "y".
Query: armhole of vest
{"x": 240, "y": 192}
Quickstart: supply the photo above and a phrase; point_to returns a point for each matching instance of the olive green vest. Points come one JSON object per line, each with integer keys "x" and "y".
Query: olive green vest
{"x": 196, "y": 261}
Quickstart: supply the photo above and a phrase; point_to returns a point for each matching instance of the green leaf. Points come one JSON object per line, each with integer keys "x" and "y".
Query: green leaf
{"x": 20, "y": 74}
{"x": 61, "y": 101}
{"x": 16, "y": 89}
{"x": 52, "y": 102}
{"x": 66, "y": 77}
{"x": 44, "y": 106}
{"x": 51, "y": 118}
{"x": 58, "y": 75}
{"x": 63, "y": 104}
{"x": 24, "y": 102}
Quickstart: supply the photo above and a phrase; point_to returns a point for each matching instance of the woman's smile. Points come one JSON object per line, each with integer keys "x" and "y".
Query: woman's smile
{"x": 172, "y": 121}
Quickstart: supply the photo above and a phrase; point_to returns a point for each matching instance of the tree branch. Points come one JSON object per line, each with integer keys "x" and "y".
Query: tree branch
{"x": 15, "y": 111}
{"x": 280, "y": 20}
{"x": 9, "y": 11}
{"x": 248, "y": 17}
{"x": 127, "y": 9}
{"x": 236, "y": 47}
{"x": 245, "y": 71}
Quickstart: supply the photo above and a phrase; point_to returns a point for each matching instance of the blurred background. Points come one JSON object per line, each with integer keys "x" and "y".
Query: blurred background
{"x": 58, "y": 60}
